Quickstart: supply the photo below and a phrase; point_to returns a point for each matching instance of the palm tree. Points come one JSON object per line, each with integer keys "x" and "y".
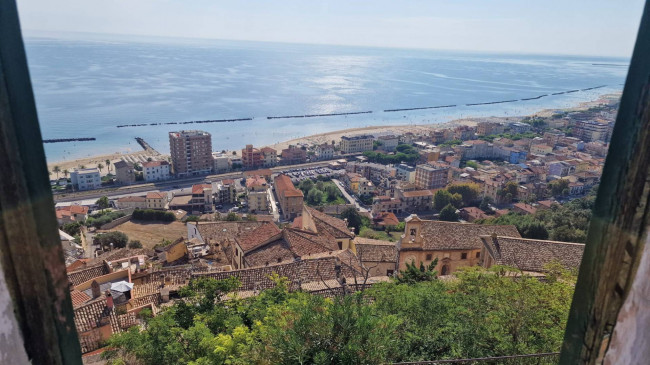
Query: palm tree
{"x": 108, "y": 165}
{"x": 56, "y": 170}
{"x": 65, "y": 173}
{"x": 100, "y": 166}
{"x": 82, "y": 166}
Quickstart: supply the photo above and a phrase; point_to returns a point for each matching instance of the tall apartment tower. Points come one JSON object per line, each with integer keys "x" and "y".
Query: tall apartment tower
{"x": 191, "y": 152}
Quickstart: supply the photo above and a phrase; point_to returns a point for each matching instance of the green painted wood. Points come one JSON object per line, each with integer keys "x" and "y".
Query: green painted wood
{"x": 30, "y": 248}
{"x": 620, "y": 218}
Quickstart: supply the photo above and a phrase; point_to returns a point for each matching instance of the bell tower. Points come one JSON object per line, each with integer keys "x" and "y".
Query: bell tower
{"x": 412, "y": 236}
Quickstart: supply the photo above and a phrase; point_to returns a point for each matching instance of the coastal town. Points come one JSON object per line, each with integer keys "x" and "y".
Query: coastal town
{"x": 333, "y": 217}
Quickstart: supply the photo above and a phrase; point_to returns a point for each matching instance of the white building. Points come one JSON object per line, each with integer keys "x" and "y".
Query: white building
{"x": 221, "y": 162}
{"x": 324, "y": 151}
{"x": 405, "y": 172}
{"x": 86, "y": 179}
{"x": 358, "y": 143}
{"x": 388, "y": 143}
{"x": 155, "y": 170}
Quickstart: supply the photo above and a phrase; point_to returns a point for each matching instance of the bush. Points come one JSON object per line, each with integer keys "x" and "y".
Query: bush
{"x": 73, "y": 229}
{"x": 135, "y": 244}
{"x": 153, "y": 215}
{"x": 118, "y": 239}
{"x": 100, "y": 219}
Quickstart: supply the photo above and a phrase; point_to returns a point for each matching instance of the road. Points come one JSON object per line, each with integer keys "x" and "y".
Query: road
{"x": 168, "y": 185}
{"x": 349, "y": 197}
{"x": 274, "y": 206}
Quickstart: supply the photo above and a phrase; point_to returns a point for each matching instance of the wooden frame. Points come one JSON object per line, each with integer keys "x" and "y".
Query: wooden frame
{"x": 31, "y": 254}
{"x": 616, "y": 238}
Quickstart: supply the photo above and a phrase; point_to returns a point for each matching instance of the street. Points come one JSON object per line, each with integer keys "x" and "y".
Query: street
{"x": 349, "y": 197}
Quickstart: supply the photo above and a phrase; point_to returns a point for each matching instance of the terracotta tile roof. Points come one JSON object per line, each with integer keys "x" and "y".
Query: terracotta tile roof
{"x": 308, "y": 269}
{"x": 73, "y": 209}
{"x": 369, "y": 250}
{"x": 297, "y": 222}
{"x": 156, "y": 195}
{"x": 438, "y": 235}
{"x": 532, "y": 255}
{"x": 291, "y": 244}
{"x": 253, "y": 239}
{"x": 529, "y": 209}
{"x": 255, "y": 181}
{"x": 78, "y": 298}
{"x": 228, "y": 181}
{"x": 217, "y": 232}
{"x": 82, "y": 275}
{"x": 198, "y": 188}
{"x": 284, "y": 187}
{"x": 417, "y": 193}
{"x": 333, "y": 226}
{"x": 386, "y": 219}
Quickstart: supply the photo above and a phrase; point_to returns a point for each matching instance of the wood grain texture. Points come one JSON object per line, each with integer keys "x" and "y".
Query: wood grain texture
{"x": 620, "y": 218}
{"x": 30, "y": 249}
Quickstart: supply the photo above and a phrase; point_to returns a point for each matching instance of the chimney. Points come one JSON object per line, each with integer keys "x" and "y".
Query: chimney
{"x": 96, "y": 291}
{"x": 109, "y": 300}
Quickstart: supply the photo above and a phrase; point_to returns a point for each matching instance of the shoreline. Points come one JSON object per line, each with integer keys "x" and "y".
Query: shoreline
{"x": 327, "y": 137}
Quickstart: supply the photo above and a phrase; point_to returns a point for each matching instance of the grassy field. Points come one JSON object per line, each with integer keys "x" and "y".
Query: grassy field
{"x": 152, "y": 233}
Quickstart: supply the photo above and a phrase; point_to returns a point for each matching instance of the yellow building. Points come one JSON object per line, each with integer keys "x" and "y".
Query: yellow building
{"x": 454, "y": 244}
{"x": 174, "y": 252}
{"x": 330, "y": 227}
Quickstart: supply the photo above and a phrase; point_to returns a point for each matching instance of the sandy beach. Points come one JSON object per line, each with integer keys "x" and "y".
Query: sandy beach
{"x": 328, "y": 137}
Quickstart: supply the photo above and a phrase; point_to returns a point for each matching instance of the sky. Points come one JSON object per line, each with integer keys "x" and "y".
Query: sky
{"x": 576, "y": 27}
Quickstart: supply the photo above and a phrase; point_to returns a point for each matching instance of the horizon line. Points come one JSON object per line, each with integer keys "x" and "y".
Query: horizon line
{"x": 499, "y": 52}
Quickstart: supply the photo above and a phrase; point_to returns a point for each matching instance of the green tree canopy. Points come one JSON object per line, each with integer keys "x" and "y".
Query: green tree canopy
{"x": 448, "y": 214}
{"x": 103, "y": 202}
{"x": 104, "y": 240}
{"x": 354, "y": 219}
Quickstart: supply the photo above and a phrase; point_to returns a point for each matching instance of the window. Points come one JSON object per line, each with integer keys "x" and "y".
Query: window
{"x": 429, "y": 257}
{"x": 478, "y": 255}
{"x": 389, "y": 272}
{"x": 413, "y": 231}
{"x": 463, "y": 256}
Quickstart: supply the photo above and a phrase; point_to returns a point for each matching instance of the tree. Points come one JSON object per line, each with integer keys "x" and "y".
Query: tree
{"x": 472, "y": 164}
{"x": 558, "y": 187}
{"x": 332, "y": 192}
{"x": 314, "y": 197}
{"x": 103, "y": 202}
{"x": 104, "y": 240}
{"x": 534, "y": 230}
{"x": 100, "y": 166}
{"x": 414, "y": 275}
{"x": 448, "y": 214}
{"x": 72, "y": 229}
{"x": 441, "y": 199}
{"x": 306, "y": 185}
{"x": 485, "y": 204}
{"x": 354, "y": 219}
{"x": 468, "y": 192}
{"x": 108, "y": 165}
{"x": 232, "y": 217}
{"x": 65, "y": 173}
{"x": 135, "y": 244}
{"x": 56, "y": 170}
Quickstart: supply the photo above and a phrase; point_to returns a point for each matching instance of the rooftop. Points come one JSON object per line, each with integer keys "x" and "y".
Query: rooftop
{"x": 532, "y": 255}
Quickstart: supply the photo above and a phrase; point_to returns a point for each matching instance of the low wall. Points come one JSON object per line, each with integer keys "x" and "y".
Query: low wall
{"x": 116, "y": 222}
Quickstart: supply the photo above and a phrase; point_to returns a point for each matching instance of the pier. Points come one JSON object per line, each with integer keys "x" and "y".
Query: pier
{"x": 146, "y": 146}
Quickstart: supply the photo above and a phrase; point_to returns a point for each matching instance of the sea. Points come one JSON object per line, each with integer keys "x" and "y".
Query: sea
{"x": 87, "y": 86}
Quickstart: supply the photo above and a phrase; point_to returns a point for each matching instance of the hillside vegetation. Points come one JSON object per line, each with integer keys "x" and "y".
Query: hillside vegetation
{"x": 481, "y": 313}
